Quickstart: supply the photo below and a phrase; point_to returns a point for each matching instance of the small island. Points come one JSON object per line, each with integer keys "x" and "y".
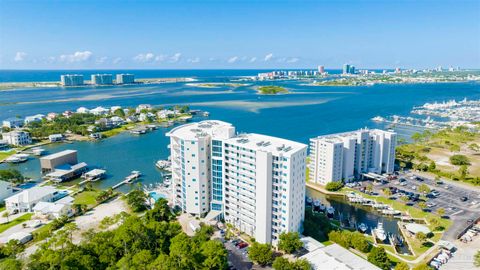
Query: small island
{"x": 271, "y": 90}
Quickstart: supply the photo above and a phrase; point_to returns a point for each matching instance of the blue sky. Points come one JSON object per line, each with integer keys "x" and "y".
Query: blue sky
{"x": 238, "y": 34}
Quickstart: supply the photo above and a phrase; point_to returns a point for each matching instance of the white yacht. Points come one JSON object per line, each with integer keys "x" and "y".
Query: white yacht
{"x": 380, "y": 232}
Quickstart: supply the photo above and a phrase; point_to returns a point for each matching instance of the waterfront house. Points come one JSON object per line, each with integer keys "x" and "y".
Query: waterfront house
{"x": 142, "y": 107}
{"x": 104, "y": 123}
{"x": 66, "y": 172}
{"x": 96, "y": 135}
{"x": 13, "y": 122}
{"x": 17, "y": 138}
{"x": 27, "y": 199}
{"x": 165, "y": 113}
{"x": 131, "y": 119}
{"x": 52, "y": 210}
{"x": 55, "y": 137}
{"x": 117, "y": 121}
{"x": 83, "y": 110}
{"x": 6, "y": 190}
{"x": 67, "y": 114}
{"x": 51, "y": 116}
{"x": 100, "y": 111}
{"x": 145, "y": 116}
{"x": 34, "y": 118}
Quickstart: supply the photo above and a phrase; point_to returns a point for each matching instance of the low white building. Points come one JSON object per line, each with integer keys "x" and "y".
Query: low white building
{"x": 83, "y": 110}
{"x": 34, "y": 118}
{"x": 51, "y": 116}
{"x": 52, "y": 210}
{"x": 115, "y": 108}
{"x": 55, "y": 137}
{"x": 100, "y": 111}
{"x": 17, "y": 138}
{"x": 25, "y": 200}
{"x": 12, "y": 123}
{"x": 142, "y": 107}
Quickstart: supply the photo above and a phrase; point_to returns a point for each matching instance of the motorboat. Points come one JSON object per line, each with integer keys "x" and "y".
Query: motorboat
{"x": 309, "y": 201}
{"x": 330, "y": 212}
{"x": 362, "y": 227}
{"x": 380, "y": 232}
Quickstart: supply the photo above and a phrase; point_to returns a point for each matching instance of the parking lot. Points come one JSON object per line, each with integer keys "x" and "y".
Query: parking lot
{"x": 238, "y": 257}
{"x": 461, "y": 203}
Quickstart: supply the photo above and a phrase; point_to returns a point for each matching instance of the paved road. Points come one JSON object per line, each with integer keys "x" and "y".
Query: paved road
{"x": 238, "y": 257}
{"x": 463, "y": 257}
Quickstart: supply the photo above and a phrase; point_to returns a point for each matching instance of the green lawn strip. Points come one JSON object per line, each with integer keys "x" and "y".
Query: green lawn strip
{"x": 19, "y": 220}
{"x": 86, "y": 197}
{"x": 6, "y": 154}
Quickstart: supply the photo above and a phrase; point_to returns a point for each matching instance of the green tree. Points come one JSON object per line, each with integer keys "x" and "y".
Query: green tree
{"x": 369, "y": 188}
{"x": 387, "y": 192}
{"x": 441, "y": 211}
{"x": 432, "y": 166}
{"x": 463, "y": 172}
{"x": 416, "y": 137}
{"x": 360, "y": 243}
{"x": 160, "y": 212}
{"x": 214, "y": 255}
{"x": 183, "y": 252}
{"x": 261, "y": 253}
{"x": 379, "y": 257}
{"x": 12, "y": 248}
{"x": 12, "y": 175}
{"x": 422, "y": 205}
{"x": 281, "y": 263}
{"x": 402, "y": 266}
{"x": 119, "y": 113}
{"x": 10, "y": 264}
{"x": 141, "y": 260}
{"x": 137, "y": 200}
{"x": 289, "y": 242}
{"x": 474, "y": 147}
{"x": 423, "y": 188}
{"x": 421, "y": 237}
{"x": 455, "y": 148}
{"x": 459, "y": 160}
{"x": 476, "y": 259}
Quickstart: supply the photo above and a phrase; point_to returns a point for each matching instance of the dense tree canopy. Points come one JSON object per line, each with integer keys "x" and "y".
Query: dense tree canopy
{"x": 290, "y": 242}
{"x": 261, "y": 253}
{"x": 11, "y": 175}
{"x": 378, "y": 257}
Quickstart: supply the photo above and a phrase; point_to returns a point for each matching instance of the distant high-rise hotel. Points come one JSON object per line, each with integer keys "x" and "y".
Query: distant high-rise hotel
{"x": 321, "y": 69}
{"x": 125, "y": 78}
{"x": 346, "y": 156}
{"x": 100, "y": 79}
{"x": 256, "y": 182}
{"x": 71, "y": 79}
{"x": 348, "y": 69}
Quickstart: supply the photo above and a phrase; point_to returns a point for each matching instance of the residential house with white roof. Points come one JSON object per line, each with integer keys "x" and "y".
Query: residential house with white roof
{"x": 25, "y": 200}
{"x": 13, "y": 123}
{"x": 33, "y": 118}
{"x": 17, "y": 138}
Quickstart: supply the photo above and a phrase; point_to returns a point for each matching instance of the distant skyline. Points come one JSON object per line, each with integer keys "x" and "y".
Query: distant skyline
{"x": 54, "y": 34}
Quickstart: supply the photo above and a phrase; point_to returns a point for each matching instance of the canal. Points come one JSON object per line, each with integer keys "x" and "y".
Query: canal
{"x": 348, "y": 213}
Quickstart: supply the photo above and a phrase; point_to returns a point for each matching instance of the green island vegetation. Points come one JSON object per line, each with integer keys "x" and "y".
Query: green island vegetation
{"x": 452, "y": 154}
{"x": 216, "y": 85}
{"x": 271, "y": 90}
{"x": 152, "y": 241}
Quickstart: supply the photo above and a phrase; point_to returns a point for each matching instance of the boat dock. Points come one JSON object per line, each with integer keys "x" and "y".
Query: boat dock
{"x": 129, "y": 179}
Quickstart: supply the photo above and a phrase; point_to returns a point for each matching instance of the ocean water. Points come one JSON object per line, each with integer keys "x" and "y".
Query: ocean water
{"x": 306, "y": 112}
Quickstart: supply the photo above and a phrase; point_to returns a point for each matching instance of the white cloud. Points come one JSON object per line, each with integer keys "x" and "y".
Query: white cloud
{"x": 144, "y": 57}
{"x": 117, "y": 60}
{"x": 281, "y": 60}
{"x": 293, "y": 60}
{"x": 193, "y": 60}
{"x": 76, "y": 57}
{"x": 253, "y": 59}
{"x": 160, "y": 58}
{"x": 175, "y": 58}
{"x": 268, "y": 57}
{"x": 101, "y": 60}
{"x": 232, "y": 59}
{"x": 20, "y": 56}
{"x": 211, "y": 59}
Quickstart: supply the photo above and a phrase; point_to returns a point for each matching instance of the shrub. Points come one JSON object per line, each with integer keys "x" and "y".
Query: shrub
{"x": 334, "y": 186}
{"x": 459, "y": 160}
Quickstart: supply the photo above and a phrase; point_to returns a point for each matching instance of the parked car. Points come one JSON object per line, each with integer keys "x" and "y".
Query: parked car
{"x": 242, "y": 245}
{"x": 431, "y": 204}
{"x": 463, "y": 199}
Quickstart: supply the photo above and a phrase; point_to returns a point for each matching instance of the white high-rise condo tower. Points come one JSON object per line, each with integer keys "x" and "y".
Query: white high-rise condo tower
{"x": 256, "y": 182}
{"x": 346, "y": 156}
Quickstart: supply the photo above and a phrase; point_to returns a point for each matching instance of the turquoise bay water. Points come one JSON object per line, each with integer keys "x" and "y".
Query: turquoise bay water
{"x": 307, "y": 112}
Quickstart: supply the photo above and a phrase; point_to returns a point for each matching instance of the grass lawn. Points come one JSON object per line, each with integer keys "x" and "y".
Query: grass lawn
{"x": 19, "y": 220}
{"x": 6, "y": 154}
{"x": 86, "y": 197}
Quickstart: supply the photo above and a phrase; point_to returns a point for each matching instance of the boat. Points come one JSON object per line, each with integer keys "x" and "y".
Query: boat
{"x": 316, "y": 205}
{"x": 167, "y": 182}
{"x": 133, "y": 175}
{"x": 380, "y": 232}
{"x": 322, "y": 207}
{"x": 94, "y": 175}
{"x": 37, "y": 151}
{"x": 163, "y": 164}
{"x": 330, "y": 212}
{"x": 17, "y": 158}
{"x": 362, "y": 227}
{"x": 309, "y": 201}
{"x": 378, "y": 119}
